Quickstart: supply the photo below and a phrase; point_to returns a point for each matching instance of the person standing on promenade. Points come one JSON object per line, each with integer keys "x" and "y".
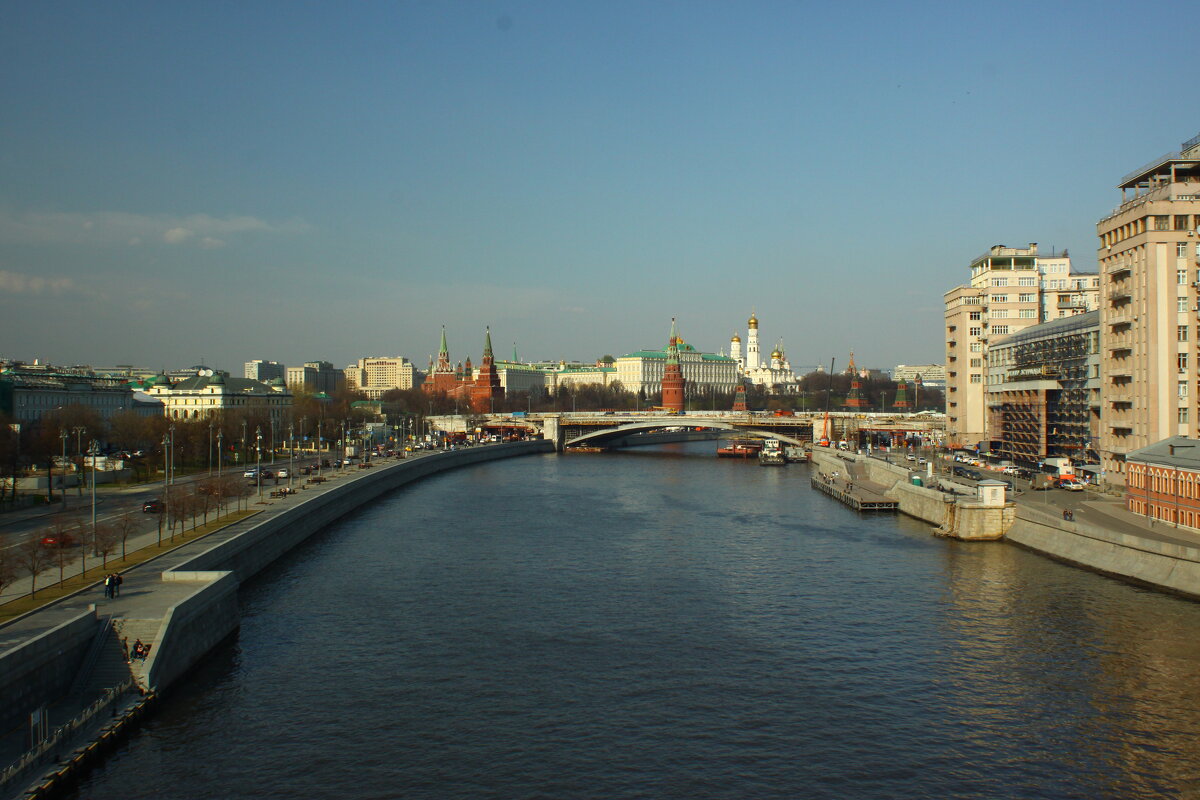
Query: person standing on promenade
{"x": 108, "y": 586}
{"x": 117, "y": 581}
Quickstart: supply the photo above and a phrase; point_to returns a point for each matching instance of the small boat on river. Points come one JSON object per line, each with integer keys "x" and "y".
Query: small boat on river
{"x": 739, "y": 448}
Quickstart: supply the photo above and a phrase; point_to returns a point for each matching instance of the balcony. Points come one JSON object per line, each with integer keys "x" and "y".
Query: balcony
{"x": 1122, "y": 351}
{"x": 1119, "y": 298}
{"x": 1119, "y": 273}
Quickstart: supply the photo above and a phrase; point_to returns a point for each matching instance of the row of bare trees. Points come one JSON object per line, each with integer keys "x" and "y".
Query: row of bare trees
{"x": 64, "y": 539}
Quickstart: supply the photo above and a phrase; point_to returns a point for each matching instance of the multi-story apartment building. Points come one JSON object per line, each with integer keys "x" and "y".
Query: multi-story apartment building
{"x": 1149, "y": 249}
{"x": 28, "y": 394}
{"x": 1007, "y": 293}
{"x": 1043, "y": 391}
{"x": 260, "y": 370}
{"x": 315, "y": 376}
{"x": 378, "y": 374}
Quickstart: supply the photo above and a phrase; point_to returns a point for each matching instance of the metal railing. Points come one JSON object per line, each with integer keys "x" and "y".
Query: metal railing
{"x": 40, "y": 753}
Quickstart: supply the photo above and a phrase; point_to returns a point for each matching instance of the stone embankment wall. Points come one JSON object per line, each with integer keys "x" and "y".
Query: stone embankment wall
{"x": 1164, "y": 565}
{"x": 192, "y": 627}
{"x": 920, "y": 502}
{"x": 42, "y": 668}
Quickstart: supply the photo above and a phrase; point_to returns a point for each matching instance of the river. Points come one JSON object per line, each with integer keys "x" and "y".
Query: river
{"x": 662, "y": 624}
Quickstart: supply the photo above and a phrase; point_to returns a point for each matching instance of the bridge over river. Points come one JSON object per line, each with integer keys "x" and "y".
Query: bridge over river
{"x": 598, "y": 428}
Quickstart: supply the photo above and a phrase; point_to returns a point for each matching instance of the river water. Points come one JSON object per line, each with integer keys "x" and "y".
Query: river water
{"x": 663, "y": 624}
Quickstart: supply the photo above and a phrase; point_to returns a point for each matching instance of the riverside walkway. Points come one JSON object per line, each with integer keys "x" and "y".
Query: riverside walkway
{"x": 853, "y": 491}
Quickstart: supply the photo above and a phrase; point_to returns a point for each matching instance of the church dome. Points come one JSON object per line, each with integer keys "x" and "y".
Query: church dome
{"x": 736, "y": 338}
{"x": 776, "y": 354}
{"x": 753, "y": 321}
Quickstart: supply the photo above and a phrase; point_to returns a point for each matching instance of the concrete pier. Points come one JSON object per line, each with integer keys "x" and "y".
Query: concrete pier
{"x": 858, "y": 496}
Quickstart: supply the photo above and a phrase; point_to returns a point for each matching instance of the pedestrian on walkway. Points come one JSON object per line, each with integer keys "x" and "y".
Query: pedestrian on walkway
{"x": 108, "y": 586}
{"x": 117, "y": 581}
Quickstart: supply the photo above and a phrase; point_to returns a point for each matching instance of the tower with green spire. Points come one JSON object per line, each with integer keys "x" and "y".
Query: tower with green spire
{"x": 672, "y": 381}
{"x": 486, "y": 389}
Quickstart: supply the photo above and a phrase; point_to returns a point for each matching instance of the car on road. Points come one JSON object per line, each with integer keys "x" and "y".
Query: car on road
{"x": 250, "y": 473}
{"x": 1071, "y": 485}
{"x": 152, "y": 507}
{"x": 281, "y": 472}
{"x": 59, "y": 540}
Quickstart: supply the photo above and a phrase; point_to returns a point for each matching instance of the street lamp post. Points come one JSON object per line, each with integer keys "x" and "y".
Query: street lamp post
{"x": 245, "y": 444}
{"x": 272, "y": 439}
{"x": 258, "y": 453}
{"x": 62, "y": 434}
{"x": 291, "y": 453}
{"x": 93, "y": 451}
{"x": 220, "y": 451}
{"x": 79, "y": 431}
{"x": 172, "y": 454}
{"x": 210, "y": 433}
{"x": 166, "y": 490}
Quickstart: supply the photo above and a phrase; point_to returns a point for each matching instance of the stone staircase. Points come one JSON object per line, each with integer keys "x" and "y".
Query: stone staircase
{"x": 130, "y": 630}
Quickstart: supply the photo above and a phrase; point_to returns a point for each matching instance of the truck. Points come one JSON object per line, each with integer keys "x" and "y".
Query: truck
{"x": 1041, "y": 480}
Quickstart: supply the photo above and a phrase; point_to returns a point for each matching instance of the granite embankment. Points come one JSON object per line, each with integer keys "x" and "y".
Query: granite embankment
{"x": 185, "y": 602}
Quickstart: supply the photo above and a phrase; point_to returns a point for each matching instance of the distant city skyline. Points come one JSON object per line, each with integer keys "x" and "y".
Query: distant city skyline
{"x": 180, "y": 183}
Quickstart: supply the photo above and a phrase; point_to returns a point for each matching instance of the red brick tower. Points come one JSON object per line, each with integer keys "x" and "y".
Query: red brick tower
{"x": 487, "y": 388}
{"x": 739, "y": 398}
{"x": 672, "y": 382}
{"x": 442, "y": 378}
{"x": 856, "y": 399}
{"x": 902, "y": 401}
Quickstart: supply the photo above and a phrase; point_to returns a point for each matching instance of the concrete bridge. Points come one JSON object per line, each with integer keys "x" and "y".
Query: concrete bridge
{"x": 594, "y": 428}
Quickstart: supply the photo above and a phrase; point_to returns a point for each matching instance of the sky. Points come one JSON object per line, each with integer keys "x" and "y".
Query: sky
{"x": 186, "y": 183}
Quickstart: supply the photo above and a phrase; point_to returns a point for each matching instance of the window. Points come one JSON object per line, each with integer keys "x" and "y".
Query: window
{"x": 1181, "y": 222}
{"x": 1181, "y": 360}
{"x": 1000, "y": 313}
{"x": 976, "y": 347}
{"x": 975, "y": 331}
{"x": 1026, "y": 281}
{"x": 976, "y": 378}
{"x": 1027, "y": 297}
{"x": 1162, "y": 222}
{"x": 1028, "y": 313}
{"x": 1181, "y": 304}
{"x": 1181, "y": 275}
{"x": 976, "y": 362}
{"x": 999, "y": 298}
{"x": 1183, "y": 392}
{"x": 976, "y": 316}
{"x": 1181, "y": 333}
{"x": 999, "y": 281}
{"x": 1000, "y": 330}
{"x": 1181, "y": 249}
{"x": 1183, "y": 415}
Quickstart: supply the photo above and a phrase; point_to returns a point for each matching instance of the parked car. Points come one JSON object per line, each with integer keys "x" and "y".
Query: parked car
{"x": 152, "y": 507}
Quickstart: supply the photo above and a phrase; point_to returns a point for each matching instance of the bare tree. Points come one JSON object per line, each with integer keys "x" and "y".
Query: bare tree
{"x": 33, "y": 557}
{"x": 61, "y": 531}
{"x": 8, "y": 568}
{"x": 124, "y": 527}
{"x": 106, "y": 540}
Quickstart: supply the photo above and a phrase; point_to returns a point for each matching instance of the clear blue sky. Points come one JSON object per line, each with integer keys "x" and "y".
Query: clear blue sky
{"x": 296, "y": 181}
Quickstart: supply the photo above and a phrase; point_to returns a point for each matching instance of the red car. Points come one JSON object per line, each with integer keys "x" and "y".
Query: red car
{"x": 54, "y": 540}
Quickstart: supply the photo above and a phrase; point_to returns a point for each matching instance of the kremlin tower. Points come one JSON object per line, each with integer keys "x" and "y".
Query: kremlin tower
{"x": 752, "y": 362}
{"x": 672, "y": 381}
{"x": 487, "y": 384}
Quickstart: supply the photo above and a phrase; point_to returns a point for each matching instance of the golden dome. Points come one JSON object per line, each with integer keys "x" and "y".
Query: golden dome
{"x": 776, "y": 354}
{"x": 753, "y": 321}
{"x": 736, "y": 338}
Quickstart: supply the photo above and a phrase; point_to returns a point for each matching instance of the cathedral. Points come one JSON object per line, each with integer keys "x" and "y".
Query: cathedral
{"x": 775, "y": 374}
{"x": 480, "y": 388}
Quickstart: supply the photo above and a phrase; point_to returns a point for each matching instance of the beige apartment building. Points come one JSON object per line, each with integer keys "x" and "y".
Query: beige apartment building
{"x": 1011, "y": 289}
{"x": 1148, "y": 257}
{"x": 378, "y": 374}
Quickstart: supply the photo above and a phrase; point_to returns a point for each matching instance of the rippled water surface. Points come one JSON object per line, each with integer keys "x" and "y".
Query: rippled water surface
{"x": 666, "y": 624}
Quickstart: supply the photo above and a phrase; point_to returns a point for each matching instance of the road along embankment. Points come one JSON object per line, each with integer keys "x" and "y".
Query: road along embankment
{"x": 889, "y": 480}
